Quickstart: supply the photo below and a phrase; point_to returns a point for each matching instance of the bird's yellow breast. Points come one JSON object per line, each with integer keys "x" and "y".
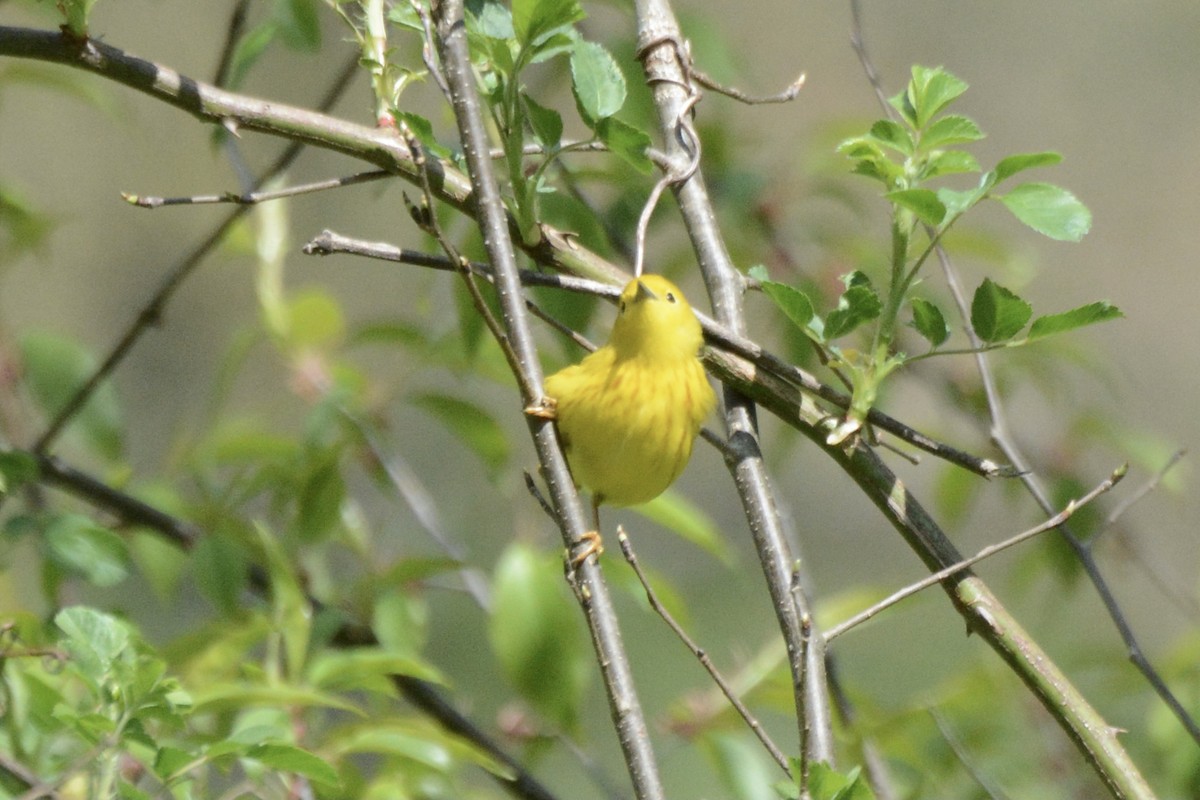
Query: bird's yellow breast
{"x": 629, "y": 415}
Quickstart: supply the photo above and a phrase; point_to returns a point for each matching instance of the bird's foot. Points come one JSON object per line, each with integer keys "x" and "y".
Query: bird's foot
{"x": 545, "y": 408}
{"x": 589, "y": 543}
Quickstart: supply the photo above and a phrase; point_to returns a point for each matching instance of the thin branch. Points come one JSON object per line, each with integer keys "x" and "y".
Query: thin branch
{"x": 786, "y": 95}
{"x": 664, "y": 59}
{"x": 591, "y": 590}
{"x": 937, "y": 577}
{"x": 154, "y": 308}
{"x": 250, "y": 198}
{"x": 717, "y": 334}
{"x": 701, "y": 655}
{"x": 233, "y": 35}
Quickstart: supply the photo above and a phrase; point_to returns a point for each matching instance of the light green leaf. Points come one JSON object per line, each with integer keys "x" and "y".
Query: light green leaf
{"x": 1049, "y": 210}
{"x": 929, "y": 91}
{"x": 96, "y": 638}
{"x": 289, "y": 758}
{"x": 929, "y": 322}
{"x": 950, "y": 130}
{"x": 470, "y": 423}
{"x": 680, "y": 515}
{"x": 826, "y": 783}
{"x": 299, "y": 24}
{"x": 791, "y": 301}
{"x": 1013, "y": 164}
{"x": 55, "y": 367}
{"x": 78, "y": 544}
{"x": 533, "y": 19}
{"x": 922, "y": 202}
{"x": 626, "y": 142}
{"x": 892, "y": 135}
{"x": 357, "y": 668}
{"x": 491, "y": 18}
{"x": 950, "y": 162}
{"x": 535, "y": 634}
{"x": 1075, "y": 318}
{"x": 996, "y": 313}
{"x": 597, "y": 82}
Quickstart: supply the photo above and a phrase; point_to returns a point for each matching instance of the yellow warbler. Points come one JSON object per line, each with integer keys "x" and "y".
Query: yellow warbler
{"x": 629, "y": 412}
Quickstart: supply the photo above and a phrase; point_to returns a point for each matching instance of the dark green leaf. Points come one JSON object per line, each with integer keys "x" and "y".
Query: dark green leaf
{"x": 929, "y": 322}
{"x": 922, "y": 202}
{"x": 249, "y": 50}
{"x": 1013, "y": 164}
{"x": 16, "y": 469}
{"x": 597, "y": 82}
{"x": 949, "y": 130}
{"x": 87, "y": 549}
{"x": 535, "y": 634}
{"x": 55, "y": 367}
{"x": 825, "y": 783}
{"x": 857, "y": 305}
{"x": 319, "y": 504}
{"x": 893, "y": 135}
{"x": 546, "y": 123}
{"x": 423, "y": 130}
{"x": 1075, "y": 318}
{"x": 1049, "y": 210}
{"x": 471, "y": 423}
{"x": 626, "y": 142}
{"x": 996, "y": 313}
{"x": 791, "y": 301}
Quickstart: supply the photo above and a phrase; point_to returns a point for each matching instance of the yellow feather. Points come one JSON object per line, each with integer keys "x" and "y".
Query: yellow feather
{"x": 629, "y": 412}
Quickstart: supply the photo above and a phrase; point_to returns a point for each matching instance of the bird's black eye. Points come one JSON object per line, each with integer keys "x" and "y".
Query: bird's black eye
{"x": 670, "y": 297}
{"x": 621, "y": 306}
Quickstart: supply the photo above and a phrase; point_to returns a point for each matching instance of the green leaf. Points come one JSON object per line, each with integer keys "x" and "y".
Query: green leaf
{"x": 996, "y": 313}
{"x": 740, "y": 766}
{"x": 319, "y": 502}
{"x": 535, "y": 634}
{"x": 491, "y": 18}
{"x": 597, "y": 82}
{"x": 1013, "y": 164}
{"x": 791, "y": 301}
{"x": 78, "y": 544}
{"x": 857, "y": 305}
{"x": 533, "y": 19}
{"x": 95, "y": 639}
{"x": 1049, "y": 210}
{"x": 679, "y": 515}
{"x": 55, "y": 368}
{"x": 290, "y": 758}
{"x": 950, "y": 162}
{"x": 299, "y": 24}
{"x": 413, "y": 741}
{"x": 1075, "y": 318}
{"x": 470, "y": 423}
{"x": 17, "y": 468}
{"x": 314, "y": 320}
{"x": 922, "y": 202}
{"x": 249, "y": 50}
{"x": 546, "y": 123}
{"x": 929, "y": 322}
{"x": 949, "y": 130}
{"x": 929, "y": 91}
{"x": 354, "y": 669}
{"x": 628, "y": 143}
{"x": 892, "y": 135}
{"x": 826, "y": 783}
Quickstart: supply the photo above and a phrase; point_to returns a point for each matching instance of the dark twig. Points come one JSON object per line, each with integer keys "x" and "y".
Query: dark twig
{"x": 250, "y": 198}
{"x": 788, "y": 94}
{"x": 233, "y": 35}
{"x": 987, "y": 552}
{"x": 701, "y": 655}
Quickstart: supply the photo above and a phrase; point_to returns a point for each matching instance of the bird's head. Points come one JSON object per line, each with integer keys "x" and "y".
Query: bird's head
{"x": 655, "y": 321}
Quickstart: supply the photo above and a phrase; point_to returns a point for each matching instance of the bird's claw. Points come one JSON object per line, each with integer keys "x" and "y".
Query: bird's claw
{"x": 590, "y": 543}
{"x": 545, "y": 408}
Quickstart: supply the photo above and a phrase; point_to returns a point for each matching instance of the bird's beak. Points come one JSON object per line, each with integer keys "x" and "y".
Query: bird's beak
{"x": 643, "y": 293}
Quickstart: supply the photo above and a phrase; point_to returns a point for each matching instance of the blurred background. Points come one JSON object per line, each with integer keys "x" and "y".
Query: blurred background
{"x": 1113, "y": 86}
